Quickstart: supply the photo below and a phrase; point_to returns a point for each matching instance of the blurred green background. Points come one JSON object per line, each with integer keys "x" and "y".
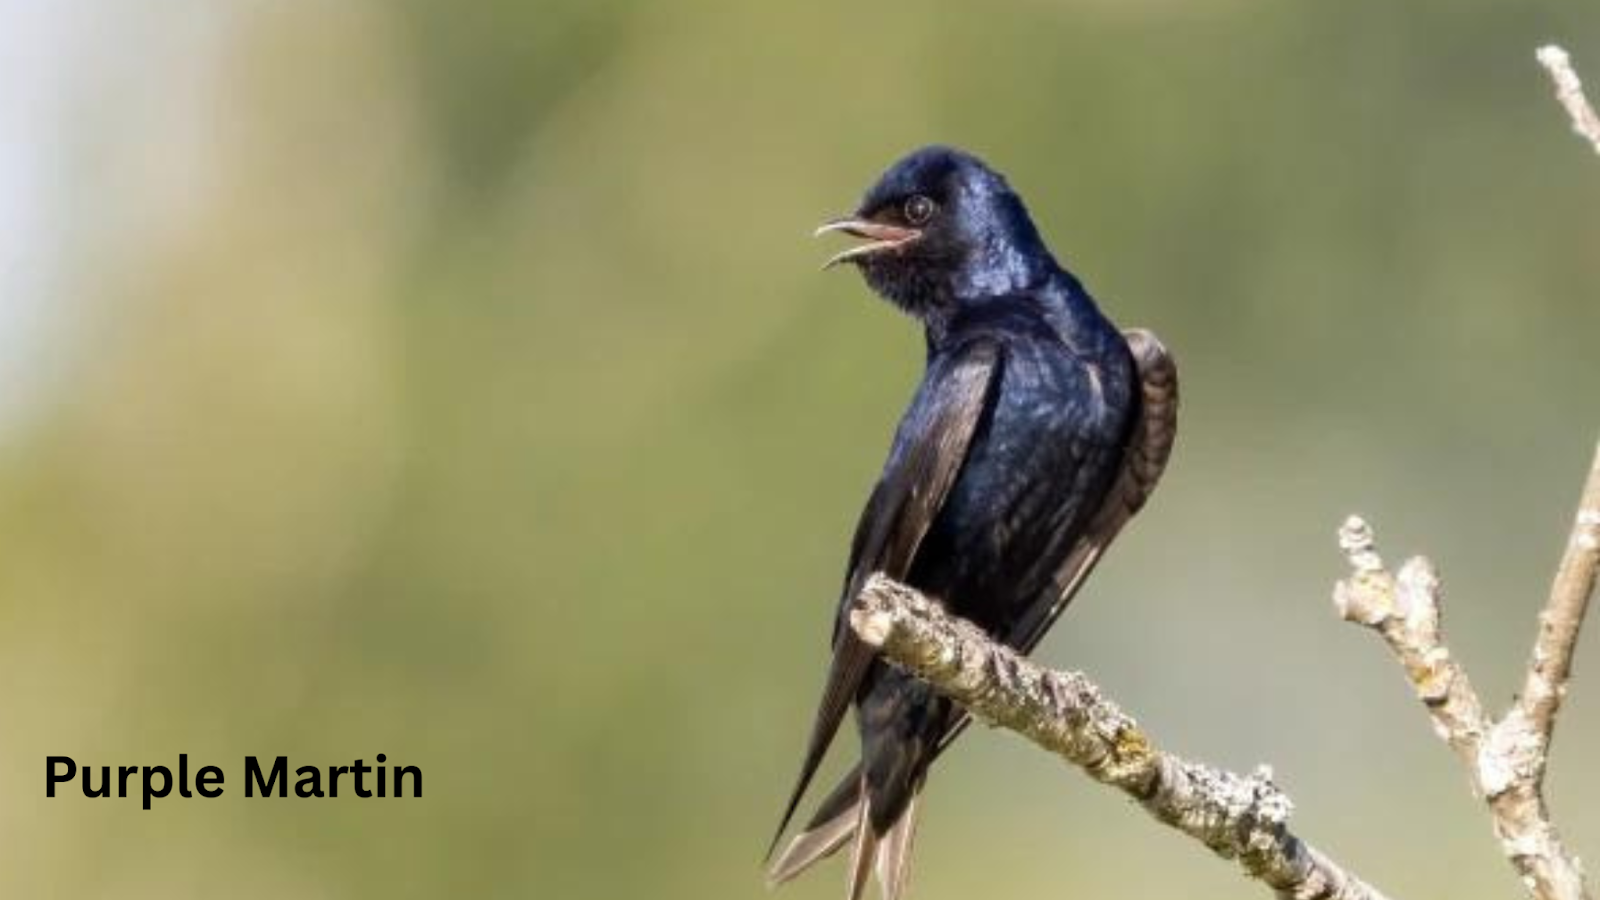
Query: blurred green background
{"x": 455, "y": 381}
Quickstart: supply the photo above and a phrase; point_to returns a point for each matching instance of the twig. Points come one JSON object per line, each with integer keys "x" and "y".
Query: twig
{"x": 1505, "y": 758}
{"x": 1551, "y": 664}
{"x": 1238, "y": 817}
{"x": 1404, "y": 610}
{"x": 1569, "y": 92}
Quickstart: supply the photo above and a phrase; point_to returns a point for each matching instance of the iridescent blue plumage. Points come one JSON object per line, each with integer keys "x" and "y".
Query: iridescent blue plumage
{"x": 1027, "y": 445}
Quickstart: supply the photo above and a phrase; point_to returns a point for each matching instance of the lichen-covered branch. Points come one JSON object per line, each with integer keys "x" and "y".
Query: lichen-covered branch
{"x": 1569, "y": 93}
{"x": 1404, "y": 610}
{"x": 1551, "y": 664}
{"x": 1505, "y": 757}
{"x": 1239, "y": 817}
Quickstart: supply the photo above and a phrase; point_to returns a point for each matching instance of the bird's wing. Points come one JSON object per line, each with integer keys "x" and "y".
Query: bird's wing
{"x": 1143, "y": 461}
{"x": 928, "y": 452}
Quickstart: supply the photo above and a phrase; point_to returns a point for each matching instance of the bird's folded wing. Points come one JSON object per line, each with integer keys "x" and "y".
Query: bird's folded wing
{"x": 928, "y": 453}
{"x": 1145, "y": 458}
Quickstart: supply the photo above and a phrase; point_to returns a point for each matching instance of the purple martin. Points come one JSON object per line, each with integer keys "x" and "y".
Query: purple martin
{"x": 1037, "y": 432}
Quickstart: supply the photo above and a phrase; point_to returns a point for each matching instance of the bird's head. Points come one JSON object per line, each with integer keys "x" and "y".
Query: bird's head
{"x": 940, "y": 227}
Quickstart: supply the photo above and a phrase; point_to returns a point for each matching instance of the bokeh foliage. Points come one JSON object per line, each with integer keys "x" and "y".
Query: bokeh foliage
{"x": 454, "y": 382}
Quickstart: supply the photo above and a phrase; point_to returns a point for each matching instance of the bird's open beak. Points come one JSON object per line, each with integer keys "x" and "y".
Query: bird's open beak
{"x": 878, "y": 238}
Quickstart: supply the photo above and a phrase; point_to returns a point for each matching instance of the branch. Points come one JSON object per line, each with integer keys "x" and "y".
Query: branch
{"x": 1505, "y": 758}
{"x": 1238, "y": 817}
{"x": 1551, "y": 665}
{"x": 1569, "y": 93}
{"x": 1404, "y": 610}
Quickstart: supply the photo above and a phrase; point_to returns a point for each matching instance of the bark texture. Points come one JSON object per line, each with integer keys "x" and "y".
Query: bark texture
{"x": 1242, "y": 817}
{"x": 1505, "y": 757}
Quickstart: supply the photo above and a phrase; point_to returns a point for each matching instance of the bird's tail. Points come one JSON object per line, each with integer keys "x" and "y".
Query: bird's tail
{"x": 893, "y": 863}
{"x": 846, "y": 817}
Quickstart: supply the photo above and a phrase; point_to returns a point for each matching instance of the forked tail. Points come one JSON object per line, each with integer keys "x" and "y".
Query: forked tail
{"x": 845, "y": 817}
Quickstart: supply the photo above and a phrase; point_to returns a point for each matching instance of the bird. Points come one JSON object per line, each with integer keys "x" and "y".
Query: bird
{"x": 1037, "y": 431}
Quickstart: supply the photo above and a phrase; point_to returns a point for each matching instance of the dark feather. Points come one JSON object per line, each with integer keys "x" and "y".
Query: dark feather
{"x": 865, "y": 850}
{"x": 928, "y": 452}
{"x": 1144, "y": 460}
{"x": 1149, "y": 448}
{"x": 893, "y": 865}
{"x": 821, "y": 839}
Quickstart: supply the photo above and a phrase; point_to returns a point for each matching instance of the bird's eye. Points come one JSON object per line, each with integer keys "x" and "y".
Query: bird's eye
{"x": 918, "y": 209}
